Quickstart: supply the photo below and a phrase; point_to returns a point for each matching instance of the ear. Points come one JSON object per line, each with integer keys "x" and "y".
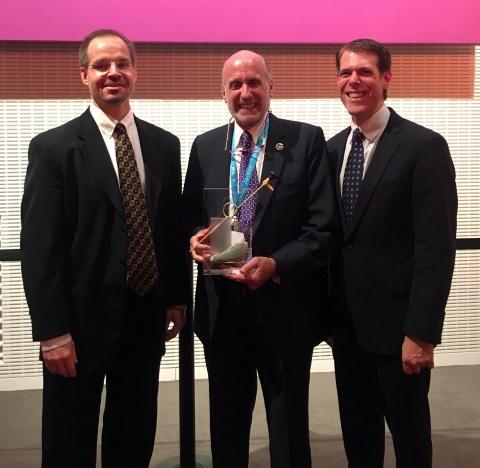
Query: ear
{"x": 83, "y": 76}
{"x": 387, "y": 76}
{"x": 270, "y": 87}
{"x": 224, "y": 94}
{"x": 134, "y": 74}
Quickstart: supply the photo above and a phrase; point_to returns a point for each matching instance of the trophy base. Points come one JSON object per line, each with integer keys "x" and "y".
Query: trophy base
{"x": 221, "y": 268}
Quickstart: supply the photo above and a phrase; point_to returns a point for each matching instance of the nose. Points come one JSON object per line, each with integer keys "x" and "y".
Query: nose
{"x": 354, "y": 77}
{"x": 113, "y": 69}
{"x": 246, "y": 91}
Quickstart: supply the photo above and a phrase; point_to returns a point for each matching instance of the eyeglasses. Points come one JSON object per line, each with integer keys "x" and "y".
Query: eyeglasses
{"x": 102, "y": 66}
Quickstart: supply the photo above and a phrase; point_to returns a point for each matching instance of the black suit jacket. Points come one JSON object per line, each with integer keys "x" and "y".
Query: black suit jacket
{"x": 399, "y": 250}
{"x": 295, "y": 224}
{"x": 73, "y": 237}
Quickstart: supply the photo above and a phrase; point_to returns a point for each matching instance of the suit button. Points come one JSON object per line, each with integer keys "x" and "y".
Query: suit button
{"x": 349, "y": 245}
{"x": 122, "y": 261}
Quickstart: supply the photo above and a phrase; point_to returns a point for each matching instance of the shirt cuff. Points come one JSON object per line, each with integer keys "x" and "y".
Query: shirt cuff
{"x": 56, "y": 342}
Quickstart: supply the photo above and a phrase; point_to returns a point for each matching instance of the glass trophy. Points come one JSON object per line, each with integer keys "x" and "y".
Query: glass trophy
{"x": 229, "y": 250}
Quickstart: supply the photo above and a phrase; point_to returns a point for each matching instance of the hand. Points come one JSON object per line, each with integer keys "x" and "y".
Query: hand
{"x": 255, "y": 273}
{"x": 176, "y": 317}
{"x": 415, "y": 355}
{"x": 62, "y": 360}
{"x": 198, "y": 250}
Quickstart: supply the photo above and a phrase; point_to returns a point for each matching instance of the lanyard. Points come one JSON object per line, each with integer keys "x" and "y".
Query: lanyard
{"x": 239, "y": 191}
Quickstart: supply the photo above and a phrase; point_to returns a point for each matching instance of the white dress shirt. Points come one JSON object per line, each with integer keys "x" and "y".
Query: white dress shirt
{"x": 237, "y": 144}
{"x": 106, "y": 126}
{"x": 372, "y": 129}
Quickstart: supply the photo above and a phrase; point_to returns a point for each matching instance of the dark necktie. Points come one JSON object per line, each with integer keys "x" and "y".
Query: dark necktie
{"x": 353, "y": 175}
{"x": 142, "y": 272}
{"x": 247, "y": 211}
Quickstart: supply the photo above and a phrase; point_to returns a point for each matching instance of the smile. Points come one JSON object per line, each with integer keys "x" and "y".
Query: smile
{"x": 356, "y": 94}
{"x": 114, "y": 85}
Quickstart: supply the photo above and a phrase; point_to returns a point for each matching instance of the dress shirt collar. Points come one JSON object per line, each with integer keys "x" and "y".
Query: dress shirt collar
{"x": 375, "y": 124}
{"x": 106, "y": 124}
{"x": 254, "y": 131}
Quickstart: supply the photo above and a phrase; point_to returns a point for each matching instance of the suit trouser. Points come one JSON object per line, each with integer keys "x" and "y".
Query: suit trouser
{"x": 71, "y": 406}
{"x": 232, "y": 375}
{"x": 373, "y": 389}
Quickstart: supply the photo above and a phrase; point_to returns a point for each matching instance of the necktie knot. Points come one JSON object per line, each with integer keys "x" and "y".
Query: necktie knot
{"x": 358, "y": 136}
{"x": 119, "y": 130}
{"x": 246, "y": 140}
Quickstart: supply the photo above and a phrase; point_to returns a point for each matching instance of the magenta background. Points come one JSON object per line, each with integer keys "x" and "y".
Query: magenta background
{"x": 266, "y": 21}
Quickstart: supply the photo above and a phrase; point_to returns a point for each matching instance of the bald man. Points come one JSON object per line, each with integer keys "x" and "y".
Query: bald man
{"x": 268, "y": 318}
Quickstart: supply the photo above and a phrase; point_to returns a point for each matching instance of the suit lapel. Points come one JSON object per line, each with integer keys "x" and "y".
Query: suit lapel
{"x": 155, "y": 169}
{"x": 96, "y": 156}
{"x": 273, "y": 161}
{"x": 221, "y": 156}
{"x": 340, "y": 150}
{"x": 386, "y": 148}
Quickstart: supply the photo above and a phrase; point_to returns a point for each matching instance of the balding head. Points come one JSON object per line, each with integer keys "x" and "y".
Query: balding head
{"x": 246, "y": 56}
{"x": 247, "y": 87}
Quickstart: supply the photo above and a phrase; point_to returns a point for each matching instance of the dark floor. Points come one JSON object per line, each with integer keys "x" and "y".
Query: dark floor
{"x": 455, "y": 406}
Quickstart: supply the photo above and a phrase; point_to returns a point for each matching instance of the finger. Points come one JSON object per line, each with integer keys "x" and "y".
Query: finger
{"x": 200, "y": 251}
{"x": 250, "y": 266}
{"x": 61, "y": 368}
{"x": 168, "y": 323}
{"x": 258, "y": 275}
{"x": 252, "y": 284}
{"x": 197, "y": 257}
{"x": 49, "y": 366}
{"x": 51, "y": 361}
{"x": 169, "y": 330}
{"x": 234, "y": 276}
{"x": 75, "y": 360}
{"x": 407, "y": 368}
{"x": 70, "y": 368}
{"x": 172, "y": 333}
{"x": 412, "y": 361}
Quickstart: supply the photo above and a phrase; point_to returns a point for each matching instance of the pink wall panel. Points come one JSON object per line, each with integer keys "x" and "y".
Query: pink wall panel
{"x": 267, "y": 21}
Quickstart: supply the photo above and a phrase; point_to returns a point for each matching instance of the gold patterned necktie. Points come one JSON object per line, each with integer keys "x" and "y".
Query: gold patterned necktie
{"x": 142, "y": 271}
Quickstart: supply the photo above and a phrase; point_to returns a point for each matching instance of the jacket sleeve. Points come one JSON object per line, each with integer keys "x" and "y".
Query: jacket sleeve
{"x": 435, "y": 212}
{"x": 320, "y": 232}
{"x": 178, "y": 282}
{"x": 45, "y": 266}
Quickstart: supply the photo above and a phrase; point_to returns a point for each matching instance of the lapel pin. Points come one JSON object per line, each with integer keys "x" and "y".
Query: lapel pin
{"x": 279, "y": 146}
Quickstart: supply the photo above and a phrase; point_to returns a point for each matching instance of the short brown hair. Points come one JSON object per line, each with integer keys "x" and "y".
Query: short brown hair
{"x": 82, "y": 51}
{"x": 384, "y": 58}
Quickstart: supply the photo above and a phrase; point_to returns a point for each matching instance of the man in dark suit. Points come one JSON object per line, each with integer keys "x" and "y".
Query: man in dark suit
{"x": 269, "y": 316}
{"x": 398, "y": 257}
{"x": 103, "y": 265}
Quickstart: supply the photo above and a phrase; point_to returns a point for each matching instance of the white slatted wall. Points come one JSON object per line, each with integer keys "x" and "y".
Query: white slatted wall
{"x": 20, "y": 120}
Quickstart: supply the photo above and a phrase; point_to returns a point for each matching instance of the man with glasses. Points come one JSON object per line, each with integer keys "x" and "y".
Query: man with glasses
{"x": 103, "y": 265}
